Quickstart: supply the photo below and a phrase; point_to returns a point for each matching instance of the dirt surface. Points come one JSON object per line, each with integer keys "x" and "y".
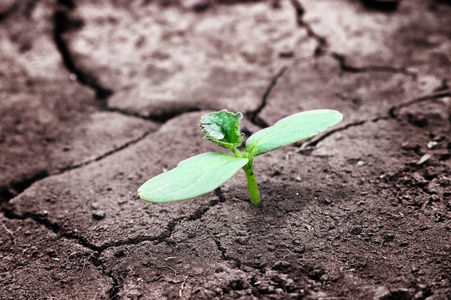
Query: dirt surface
{"x": 98, "y": 96}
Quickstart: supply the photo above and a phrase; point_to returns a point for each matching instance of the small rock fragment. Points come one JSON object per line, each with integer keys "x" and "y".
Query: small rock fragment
{"x": 98, "y": 215}
{"x": 423, "y": 159}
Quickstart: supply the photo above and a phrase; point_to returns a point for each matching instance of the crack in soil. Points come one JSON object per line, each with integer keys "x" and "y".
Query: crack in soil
{"x": 117, "y": 282}
{"x": 94, "y": 257}
{"x": 393, "y": 112}
{"x": 162, "y": 117}
{"x": 322, "y": 46}
{"x": 17, "y": 188}
{"x": 238, "y": 263}
{"x": 58, "y": 229}
{"x": 314, "y": 141}
{"x": 113, "y": 292}
{"x": 253, "y": 116}
{"x": 224, "y": 256}
{"x": 63, "y": 24}
{"x": 371, "y": 68}
{"x": 120, "y": 148}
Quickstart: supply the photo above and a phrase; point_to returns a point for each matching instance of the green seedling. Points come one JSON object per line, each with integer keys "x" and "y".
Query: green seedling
{"x": 204, "y": 173}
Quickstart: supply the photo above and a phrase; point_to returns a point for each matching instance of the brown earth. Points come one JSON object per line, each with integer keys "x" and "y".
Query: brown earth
{"x": 98, "y": 96}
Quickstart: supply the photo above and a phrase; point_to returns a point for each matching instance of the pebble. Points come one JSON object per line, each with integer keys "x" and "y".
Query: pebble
{"x": 98, "y": 215}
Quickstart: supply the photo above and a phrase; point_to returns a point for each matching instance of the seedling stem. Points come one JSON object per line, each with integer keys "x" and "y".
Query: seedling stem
{"x": 252, "y": 183}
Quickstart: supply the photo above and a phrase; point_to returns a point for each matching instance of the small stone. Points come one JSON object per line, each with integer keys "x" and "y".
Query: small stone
{"x": 98, "y": 215}
{"x": 432, "y": 144}
{"x": 419, "y": 295}
{"x": 388, "y": 237}
{"x": 327, "y": 201}
{"x": 43, "y": 213}
{"x": 94, "y": 205}
{"x": 119, "y": 253}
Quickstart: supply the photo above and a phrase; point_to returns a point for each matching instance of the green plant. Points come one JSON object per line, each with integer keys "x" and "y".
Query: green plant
{"x": 203, "y": 173}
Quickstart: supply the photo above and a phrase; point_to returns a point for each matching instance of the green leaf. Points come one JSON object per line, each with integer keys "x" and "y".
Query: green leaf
{"x": 222, "y": 128}
{"x": 192, "y": 177}
{"x": 291, "y": 129}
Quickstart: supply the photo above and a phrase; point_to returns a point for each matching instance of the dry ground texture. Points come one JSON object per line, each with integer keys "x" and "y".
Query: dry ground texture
{"x": 98, "y": 96}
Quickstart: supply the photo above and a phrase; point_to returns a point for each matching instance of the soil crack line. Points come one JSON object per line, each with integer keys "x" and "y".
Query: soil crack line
{"x": 352, "y": 69}
{"x": 16, "y": 189}
{"x": 115, "y": 289}
{"x": 139, "y": 239}
{"x": 253, "y": 116}
{"x": 313, "y": 142}
{"x": 224, "y": 256}
{"x": 199, "y": 213}
{"x": 323, "y": 48}
{"x": 57, "y": 229}
{"x": 120, "y": 148}
{"x": 393, "y": 112}
{"x": 163, "y": 117}
{"x": 127, "y": 113}
{"x": 322, "y": 42}
{"x": 63, "y": 24}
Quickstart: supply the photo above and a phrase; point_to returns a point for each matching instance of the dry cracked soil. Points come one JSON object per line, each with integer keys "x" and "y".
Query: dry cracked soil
{"x": 98, "y": 96}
